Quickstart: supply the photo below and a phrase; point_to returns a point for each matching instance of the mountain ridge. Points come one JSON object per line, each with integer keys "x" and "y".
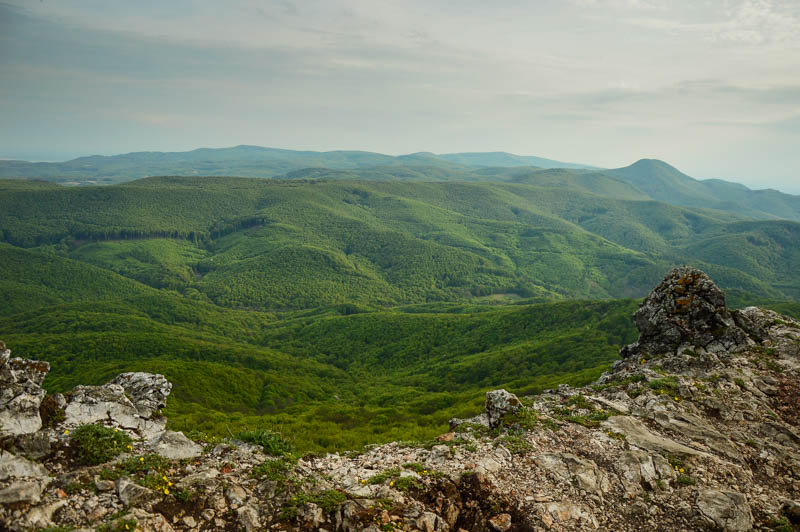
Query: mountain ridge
{"x": 646, "y": 177}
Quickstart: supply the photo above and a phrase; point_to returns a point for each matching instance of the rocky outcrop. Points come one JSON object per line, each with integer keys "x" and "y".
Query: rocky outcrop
{"x": 21, "y": 393}
{"x": 131, "y": 401}
{"x": 687, "y": 308}
{"x": 696, "y": 428}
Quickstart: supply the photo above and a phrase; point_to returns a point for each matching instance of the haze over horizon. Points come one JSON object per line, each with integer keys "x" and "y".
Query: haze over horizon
{"x": 711, "y": 88}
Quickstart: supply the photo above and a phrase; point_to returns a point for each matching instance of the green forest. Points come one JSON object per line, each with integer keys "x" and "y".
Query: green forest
{"x": 345, "y": 311}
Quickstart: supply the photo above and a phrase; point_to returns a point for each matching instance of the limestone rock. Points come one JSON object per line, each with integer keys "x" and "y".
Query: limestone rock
{"x": 12, "y": 466}
{"x": 686, "y": 308}
{"x": 111, "y": 403}
{"x": 175, "y": 446}
{"x": 636, "y": 433}
{"x": 21, "y": 393}
{"x": 498, "y": 404}
{"x": 28, "y": 491}
{"x": 132, "y": 494}
{"x": 727, "y": 510}
{"x": 147, "y": 391}
{"x": 248, "y": 517}
{"x": 311, "y": 514}
{"x": 639, "y": 470}
{"x": 146, "y": 521}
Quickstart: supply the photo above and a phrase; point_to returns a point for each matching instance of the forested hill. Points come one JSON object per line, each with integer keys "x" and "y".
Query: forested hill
{"x": 352, "y": 312}
{"x": 277, "y": 244}
{"x": 645, "y": 179}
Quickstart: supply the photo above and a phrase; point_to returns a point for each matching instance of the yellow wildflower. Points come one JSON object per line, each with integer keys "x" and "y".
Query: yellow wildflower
{"x": 641, "y": 361}
{"x": 169, "y": 483}
{"x": 676, "y": 398}
{"x": 66, "y": 432}
{"x": 165, "y": 478}
{"x": 681, "y": 470}
{"x": 141, "y": 458}
{"x": 166, "y": 491}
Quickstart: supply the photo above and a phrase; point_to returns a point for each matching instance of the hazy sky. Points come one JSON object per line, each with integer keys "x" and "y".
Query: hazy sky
{"x": 712, "y": 87}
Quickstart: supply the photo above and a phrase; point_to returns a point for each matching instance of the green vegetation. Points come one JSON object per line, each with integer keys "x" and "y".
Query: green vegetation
{"x": 341, "y": 313}
{"x": 273, "y": 443}
{"x": 275, "y": 470}
{"x": 96, "y": 444}
{"x": 385, "y": 475}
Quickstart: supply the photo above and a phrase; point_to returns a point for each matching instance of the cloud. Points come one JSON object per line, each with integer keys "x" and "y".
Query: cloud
{"x": 598, "y": 81}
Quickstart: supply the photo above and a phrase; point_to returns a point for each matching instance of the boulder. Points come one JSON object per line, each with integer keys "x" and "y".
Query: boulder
{"x": 175, "y": 446}
{"x": 498, "y": 404}
{"x": 27, "y": 491}
{"x": 127, "y": 408}
{"x": 640, "y": 470}
{"x": 21, "y": 393}
{"x": 248, "y": 518}
{"x": 147, "y": 391}
{"x": 686, "y": 308}
{"x": 727, "y": 510}
{"x": 132, "y": 494}
{"x": 12, "y": 466}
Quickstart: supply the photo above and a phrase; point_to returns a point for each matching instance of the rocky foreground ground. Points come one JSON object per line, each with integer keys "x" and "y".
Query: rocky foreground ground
{"x": 695, "y": 428}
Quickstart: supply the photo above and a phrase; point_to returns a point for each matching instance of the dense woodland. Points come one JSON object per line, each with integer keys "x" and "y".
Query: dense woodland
{"x": 348, "y": 311}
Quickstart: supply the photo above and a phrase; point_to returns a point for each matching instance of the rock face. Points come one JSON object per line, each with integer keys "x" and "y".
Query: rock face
{"x": 21, "y": 393}
{"x": 131, "y": 401}
{"x": 147, "y": 391}
{"x": 726, "y": 510}
{"x": 498, "y": 404}
{"x": 696, "y": 428}
{"x": 686, "y": 308}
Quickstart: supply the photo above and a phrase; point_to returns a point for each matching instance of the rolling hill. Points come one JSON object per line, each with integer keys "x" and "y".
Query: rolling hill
{"x": 645, "y": 179}
{"x": 353, "y": 311}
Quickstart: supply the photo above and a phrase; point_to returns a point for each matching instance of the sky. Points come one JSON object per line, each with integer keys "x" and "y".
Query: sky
{"x": 711, "y": 87}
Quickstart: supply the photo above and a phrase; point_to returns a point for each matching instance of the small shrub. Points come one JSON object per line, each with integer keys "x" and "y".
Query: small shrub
{"x": 183, "y": 495}
{"x": 516, "y": 444}
{"x": 475, "y": 428}
{"x": 407, "y": 483}
{"x": 686, "y": 480}
{"x": 96, "y": 444}
{"x": 383, "y": 476}
{"x": 275, "y": 470}
{"x": 273, "y": 443}
{"x": 666, "y": 385}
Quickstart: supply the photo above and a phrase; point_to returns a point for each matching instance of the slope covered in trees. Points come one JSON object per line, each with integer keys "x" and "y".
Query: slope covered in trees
{"x": 350, "y": 312}
{"x": 278, "y": 245}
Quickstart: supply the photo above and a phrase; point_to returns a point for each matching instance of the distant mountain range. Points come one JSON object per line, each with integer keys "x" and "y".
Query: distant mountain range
{"x": 645, "y": 179}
